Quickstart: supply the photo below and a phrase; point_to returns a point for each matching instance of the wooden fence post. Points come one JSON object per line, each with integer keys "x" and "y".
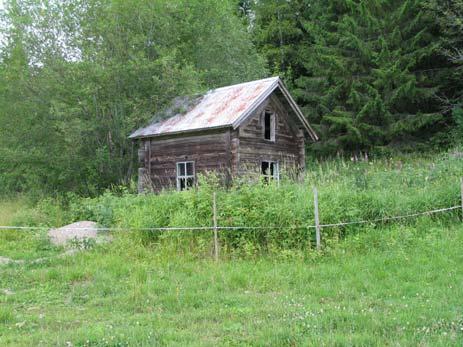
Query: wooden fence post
{"x": 461, "y": 196}
{"x": 216, "y": 241}
{"x": 317, "y": 217}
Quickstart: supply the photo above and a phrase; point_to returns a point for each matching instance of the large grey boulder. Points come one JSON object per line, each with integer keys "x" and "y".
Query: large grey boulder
{"x": 79, "y": 231}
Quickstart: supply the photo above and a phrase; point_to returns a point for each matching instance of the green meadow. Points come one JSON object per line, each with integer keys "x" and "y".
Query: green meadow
{"x": 377, "y": 284}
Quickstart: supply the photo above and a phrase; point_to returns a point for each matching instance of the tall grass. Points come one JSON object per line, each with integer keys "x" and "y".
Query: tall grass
{"x": 283, "y": 211}
{"x": 9, "y": 208}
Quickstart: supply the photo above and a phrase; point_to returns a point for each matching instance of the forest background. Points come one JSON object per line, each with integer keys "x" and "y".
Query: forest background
{"x": 77, "y": 76}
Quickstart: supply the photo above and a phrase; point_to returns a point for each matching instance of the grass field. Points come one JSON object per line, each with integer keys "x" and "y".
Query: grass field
{"x": 396, "y": 286}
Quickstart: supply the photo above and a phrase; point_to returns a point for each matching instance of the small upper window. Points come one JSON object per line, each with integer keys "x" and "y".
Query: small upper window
{"x": 185, "y": 175}
{"x": 270, "y": 171}
{"x": 269, "y": 126}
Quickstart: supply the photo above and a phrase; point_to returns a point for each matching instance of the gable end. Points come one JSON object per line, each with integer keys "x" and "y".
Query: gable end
{"x": 278, "y": 85}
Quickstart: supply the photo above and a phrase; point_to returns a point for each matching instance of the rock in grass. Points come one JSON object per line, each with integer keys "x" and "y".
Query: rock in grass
{"x": 7, "y": 291}
{"x": 79, "y": 233}
{"x": 6, "y": 261}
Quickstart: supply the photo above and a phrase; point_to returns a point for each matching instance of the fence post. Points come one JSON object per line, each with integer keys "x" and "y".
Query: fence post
{"x": 216, "y": 241}
{"x": 461, "y": 196}
{"x": 317, "y": 217}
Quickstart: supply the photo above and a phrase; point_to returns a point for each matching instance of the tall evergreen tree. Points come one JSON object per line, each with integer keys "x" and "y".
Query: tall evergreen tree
{"x": 449, "y": 16}
{"x": 366, "y": 72}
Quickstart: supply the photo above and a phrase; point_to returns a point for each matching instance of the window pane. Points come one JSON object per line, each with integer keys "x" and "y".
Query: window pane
{"x": 272, "y": 168}
{"x": 180, "y": 169}
{"x": 272, "y": 127}
{"x": 190, "y": 182}
{"x": 267, "y": 126}
{"x": 189, "y": 168}
{"x": 182, "y": 183}
{"x": 264, "y": 168}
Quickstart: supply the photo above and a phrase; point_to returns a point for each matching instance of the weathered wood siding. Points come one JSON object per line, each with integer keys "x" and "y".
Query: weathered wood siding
{"x": 210, "y": 151}
{"x": 227, "y": 152}
{"x": 251, "y": 148}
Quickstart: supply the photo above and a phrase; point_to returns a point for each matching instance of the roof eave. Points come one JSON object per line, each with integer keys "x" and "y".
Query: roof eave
{"x": 138, "y": 137}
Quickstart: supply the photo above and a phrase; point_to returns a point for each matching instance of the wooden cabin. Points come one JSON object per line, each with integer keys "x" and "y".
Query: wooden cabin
{"x": 248, "y": 129}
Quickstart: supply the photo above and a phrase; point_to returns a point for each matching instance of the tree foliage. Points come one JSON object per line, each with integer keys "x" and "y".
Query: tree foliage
{"x": 449, "y": 15}
{"x": 77, "y": 76}
{"x": 367, "y": 73}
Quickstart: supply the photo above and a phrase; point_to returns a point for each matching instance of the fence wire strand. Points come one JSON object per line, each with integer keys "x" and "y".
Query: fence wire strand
{"x": 340, "y": 224}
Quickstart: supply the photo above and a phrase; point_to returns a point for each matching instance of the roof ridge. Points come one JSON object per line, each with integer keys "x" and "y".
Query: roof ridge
{"x": 243, "y": 83}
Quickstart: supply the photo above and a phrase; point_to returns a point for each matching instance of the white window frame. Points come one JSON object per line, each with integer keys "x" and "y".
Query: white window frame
{"x": 272, "y": 125}
{"x": 276, "y": 170}
{"x": 185, "y": 176}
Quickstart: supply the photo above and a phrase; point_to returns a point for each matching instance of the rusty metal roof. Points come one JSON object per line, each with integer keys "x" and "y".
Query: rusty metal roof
{"x": 221, "y": 107}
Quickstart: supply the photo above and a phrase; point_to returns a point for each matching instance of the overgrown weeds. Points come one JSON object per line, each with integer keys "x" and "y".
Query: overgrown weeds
{"x": 281, "y": 213}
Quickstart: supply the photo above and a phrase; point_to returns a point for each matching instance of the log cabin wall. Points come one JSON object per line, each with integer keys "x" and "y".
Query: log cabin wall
{"x": 228, "y": 152}
{"x": 288, "y": 148}
{"x": 210, "y": 151}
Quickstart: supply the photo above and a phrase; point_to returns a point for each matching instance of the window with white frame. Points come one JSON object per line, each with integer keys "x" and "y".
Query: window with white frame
{"x": 185, "y": 175}
{"x": 270, "y": 171}
{"x": 269, "y": 126}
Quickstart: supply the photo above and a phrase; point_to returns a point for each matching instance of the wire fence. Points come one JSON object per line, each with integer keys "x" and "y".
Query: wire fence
{"x": 366, "y": 221}
{"x": 215, "y": 228}
{"x": 331, "y": 225}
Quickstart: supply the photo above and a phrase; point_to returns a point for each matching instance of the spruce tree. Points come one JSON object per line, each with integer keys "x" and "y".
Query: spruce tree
{"x": 367, "y": 73}
{"x": 449, "y": 15}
